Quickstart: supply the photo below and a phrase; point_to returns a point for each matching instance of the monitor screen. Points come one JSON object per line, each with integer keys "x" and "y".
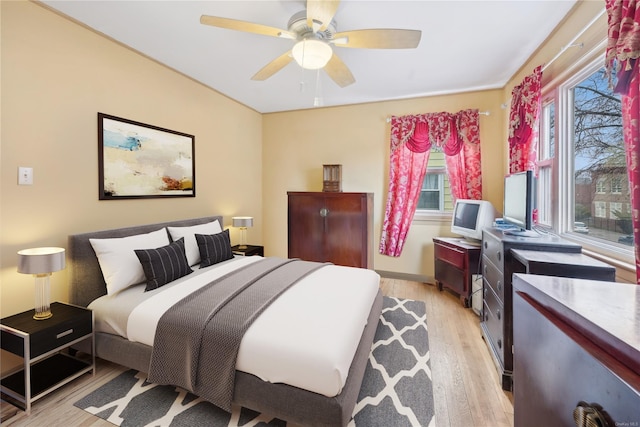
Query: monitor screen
{"x": 470, "y": 217}
{"x": 519, "y": 200}
{"x": 466, "y": 215}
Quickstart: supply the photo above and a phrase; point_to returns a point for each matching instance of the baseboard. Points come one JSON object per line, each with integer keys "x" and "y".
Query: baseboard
{"x": 407, "y": 276}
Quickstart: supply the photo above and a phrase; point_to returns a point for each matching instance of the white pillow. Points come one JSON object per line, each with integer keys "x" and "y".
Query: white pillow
{"x": 189, "y": 234}
{"x": 120, "y": 266}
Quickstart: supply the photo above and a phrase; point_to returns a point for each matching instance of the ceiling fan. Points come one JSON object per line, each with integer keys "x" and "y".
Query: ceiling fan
{"x": 314, "y": 31}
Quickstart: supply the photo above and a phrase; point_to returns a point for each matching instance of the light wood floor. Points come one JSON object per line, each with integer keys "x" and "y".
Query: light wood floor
{"x": 465, "y": 383}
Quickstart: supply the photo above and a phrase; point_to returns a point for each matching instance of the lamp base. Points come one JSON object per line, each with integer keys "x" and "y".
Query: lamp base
{"x": 43, "y": 292}
{"x": 43, "y": 315}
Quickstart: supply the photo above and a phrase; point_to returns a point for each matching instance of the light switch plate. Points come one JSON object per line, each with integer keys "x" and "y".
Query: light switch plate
{"x": 25, "y": 176}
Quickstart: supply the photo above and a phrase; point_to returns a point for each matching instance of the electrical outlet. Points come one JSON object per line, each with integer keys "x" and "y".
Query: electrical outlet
{"x": 25, "y": 176}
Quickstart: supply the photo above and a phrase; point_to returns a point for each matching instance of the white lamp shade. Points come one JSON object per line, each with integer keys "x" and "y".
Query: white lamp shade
{"x": 40, "y": 260}
{"x": 242, "y": 221}
{"x": 312, "y": 54}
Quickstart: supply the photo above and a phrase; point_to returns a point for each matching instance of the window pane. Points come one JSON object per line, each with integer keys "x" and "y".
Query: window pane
{"x": 548, "y": 132}
{"x": 430, "y": 182}
{"x": 429, "y": 200}
{"x": 436, "y": 193}
{"x": 601, "y": 185}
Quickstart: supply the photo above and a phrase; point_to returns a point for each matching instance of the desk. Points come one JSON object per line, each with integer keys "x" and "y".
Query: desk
{"x": 456, "y": 261}
{"x": 576, "y": 265}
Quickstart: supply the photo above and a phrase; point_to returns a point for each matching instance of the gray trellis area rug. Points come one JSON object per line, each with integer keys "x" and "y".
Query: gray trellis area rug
{"x": 396, "y": 390}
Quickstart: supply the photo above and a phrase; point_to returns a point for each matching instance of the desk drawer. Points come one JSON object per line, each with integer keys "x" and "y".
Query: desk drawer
{"x": 450, "y": 276}
{"x": 452, "y": 256}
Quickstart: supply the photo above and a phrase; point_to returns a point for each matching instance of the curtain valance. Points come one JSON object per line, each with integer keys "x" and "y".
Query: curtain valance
{"x": 448, "y": 131}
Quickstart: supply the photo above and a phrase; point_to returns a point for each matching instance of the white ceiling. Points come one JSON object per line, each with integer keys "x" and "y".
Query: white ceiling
{"x": 465, "y": 45}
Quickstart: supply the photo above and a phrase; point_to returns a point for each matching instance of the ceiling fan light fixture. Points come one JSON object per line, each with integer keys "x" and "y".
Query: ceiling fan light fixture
{"x": 312, "y": 54}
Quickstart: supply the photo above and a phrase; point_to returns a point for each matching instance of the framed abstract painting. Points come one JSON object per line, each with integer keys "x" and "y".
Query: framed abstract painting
{"x": 137, "y": 160}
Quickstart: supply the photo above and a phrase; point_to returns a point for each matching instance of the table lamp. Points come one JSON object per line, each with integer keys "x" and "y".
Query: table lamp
{"x": 41, "y": 262}
{"x": 243, "y": 222}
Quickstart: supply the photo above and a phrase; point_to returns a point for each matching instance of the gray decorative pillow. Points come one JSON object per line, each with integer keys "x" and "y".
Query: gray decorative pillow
{"x": 163, "y": 265}
{"x": 214, "y": 248}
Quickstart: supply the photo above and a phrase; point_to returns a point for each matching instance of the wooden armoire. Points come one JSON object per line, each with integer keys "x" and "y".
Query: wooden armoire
{"x": 331, "y": 227}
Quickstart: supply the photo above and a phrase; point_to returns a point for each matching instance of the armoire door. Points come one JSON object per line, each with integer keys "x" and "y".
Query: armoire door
{"x": 306, "y": 225}
{"x": 346, "y": 229}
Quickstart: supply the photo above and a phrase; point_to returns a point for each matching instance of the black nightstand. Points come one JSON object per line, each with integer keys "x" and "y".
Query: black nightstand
{"x": 248, "y": 251}
{"x": 41, "y": 344}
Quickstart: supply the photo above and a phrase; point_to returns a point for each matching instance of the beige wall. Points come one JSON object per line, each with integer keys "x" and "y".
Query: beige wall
{"x": 297, "y": 144}
{"x": 56, "y": 77}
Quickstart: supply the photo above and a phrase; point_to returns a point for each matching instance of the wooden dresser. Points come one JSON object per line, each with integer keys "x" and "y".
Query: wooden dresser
{"x": 575, "y": 341}
{"x": 331, "y": 227}
{"x": 498, "y": 266}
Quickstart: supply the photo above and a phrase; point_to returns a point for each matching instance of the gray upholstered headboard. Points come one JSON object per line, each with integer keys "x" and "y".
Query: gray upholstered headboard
{"x": 86, "y": 280}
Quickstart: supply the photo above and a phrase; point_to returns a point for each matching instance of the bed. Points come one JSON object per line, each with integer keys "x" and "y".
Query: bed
{"x": 284, "y": 394}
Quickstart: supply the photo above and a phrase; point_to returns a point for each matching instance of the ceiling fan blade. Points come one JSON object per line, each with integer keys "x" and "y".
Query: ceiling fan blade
{"x": 273, "y": 67}
{"x": 249, "y": 27}
{"x": 339, "y": 72}
{"x": 378, "y": 39}
{"x": 321, "y": 10}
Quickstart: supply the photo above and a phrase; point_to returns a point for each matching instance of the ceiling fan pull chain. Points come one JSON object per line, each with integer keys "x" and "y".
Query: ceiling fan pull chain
{"x": 317, "y": 101}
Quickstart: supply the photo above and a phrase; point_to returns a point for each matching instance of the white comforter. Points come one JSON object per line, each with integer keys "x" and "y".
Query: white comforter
{"x": 307, "y": 338}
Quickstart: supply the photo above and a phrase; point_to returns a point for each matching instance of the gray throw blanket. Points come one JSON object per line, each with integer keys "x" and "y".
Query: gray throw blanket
{"x": 197, "y": 340}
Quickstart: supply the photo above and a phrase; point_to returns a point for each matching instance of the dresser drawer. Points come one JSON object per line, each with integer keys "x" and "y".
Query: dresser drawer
{"x": 493, "y": 318}
{"x": 450, "y": 255}
{"x": 494, "y": 277}
{"x": 492, "y": 249}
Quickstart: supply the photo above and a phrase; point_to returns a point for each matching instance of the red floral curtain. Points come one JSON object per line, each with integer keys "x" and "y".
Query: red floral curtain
{"x": 523, "y": 123}
{"x": 623, "y": 51}
{"x": 411, "y": 141}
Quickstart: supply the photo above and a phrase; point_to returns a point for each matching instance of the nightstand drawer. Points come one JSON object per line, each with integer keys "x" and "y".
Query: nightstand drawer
{"x": 453, "y": 256}
{"x": 67, "y": 324}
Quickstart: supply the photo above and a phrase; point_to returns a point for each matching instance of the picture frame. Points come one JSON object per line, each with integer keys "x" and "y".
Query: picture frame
{"x": 141, "y": 161}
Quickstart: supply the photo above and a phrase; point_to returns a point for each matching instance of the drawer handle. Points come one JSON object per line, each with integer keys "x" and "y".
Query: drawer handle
{"x": 586, "y": 415}
{"x": 485, "y": 269}
{"x": 64, "y": 334}
{"x": 498, "y": 314}
{"x": 499, "y": 285}
{"x": 486, "y": 245}
{"x": 499, "y": 343}
{"x": 499, "y": 255}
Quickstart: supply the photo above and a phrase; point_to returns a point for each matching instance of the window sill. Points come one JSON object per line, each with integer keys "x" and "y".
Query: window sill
{"x": 431, "y": 217}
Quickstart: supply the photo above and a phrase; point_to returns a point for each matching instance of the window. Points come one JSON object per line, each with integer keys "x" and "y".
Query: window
{"x": 615, "y": 209}
{"x": 600, "y": 209}
{"x": 582, "y": 164}
{"x": 616, "y": 185}
{"x": 436, "y": 194}
{"x": 546, "y": 151}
